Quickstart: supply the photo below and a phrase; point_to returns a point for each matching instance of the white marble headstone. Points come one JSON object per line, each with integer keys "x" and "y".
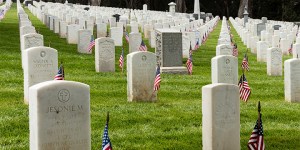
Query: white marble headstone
{"x": 141, "y": 70}
{"x": 72, "y": 33}
{"x": 59, "y": 116}
{"x": 84, "y": 39}
{"x": 40, "y": 64}
{"x": 224, "y": 49}
{"x": 224, "y": 69}
{"x": 292, "y": 80}
{"x": 135, "y": 40}
{"x": 104, "y": 55}
{"x": 220, "y": 117}
{"x": 274, "y": 62}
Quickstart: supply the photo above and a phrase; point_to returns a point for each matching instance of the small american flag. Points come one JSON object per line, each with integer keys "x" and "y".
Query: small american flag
{"x": 245, "y": 64}
{"x": 256, "y": 141}
{"x": 235, "y": 51}
{"x": 92, "y": 43}
{"x": 60, "y": 74}
{"x": 197, "y": 45}
{"x": 189, "y": 63}
{"x": 290, "y": 50}
{"x": 143, "y": 47}
{"x": 157, "y": 79}
{"x": 244, "y": 88}
{"x": 106, "y": 145}
{"x": 127, "y": 37}
{"x": 121, "y": 60}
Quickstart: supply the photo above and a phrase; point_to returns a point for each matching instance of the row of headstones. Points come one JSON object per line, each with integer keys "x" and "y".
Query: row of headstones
{"x": 220, "y": 100}
{"x": 137, "y": 36}
{"x": 148, "y": 30}
{"x": 4, "y": 8}
{"x": 59, "y": 115}
{"x": 273, "y": 57}
{"x": 224, "y": 46}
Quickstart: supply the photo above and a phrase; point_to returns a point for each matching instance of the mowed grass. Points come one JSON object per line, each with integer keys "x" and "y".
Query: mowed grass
{"x": 173, "y": 122}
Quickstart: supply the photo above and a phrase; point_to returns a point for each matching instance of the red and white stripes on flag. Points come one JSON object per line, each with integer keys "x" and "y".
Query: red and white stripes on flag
{"x": 91, "y": 44}
{"x": 143, "y": 47}
{"x": 244, "y": 88}
{"x": 256, "y": 141}
{"x": 197, "y": 45}
{"x": 157, "y": 79}
{"x": 127, "y": 37}
{"x": 121, "y": 59}
{"x": 245, "y": 64}
{"x": 235, "y": 51}
{"x": 60, "y": 74}
{"x": 189, "y": 63}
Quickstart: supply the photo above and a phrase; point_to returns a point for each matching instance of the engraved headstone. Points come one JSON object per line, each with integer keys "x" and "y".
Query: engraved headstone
{"x": 169, "y": 51}
{"x": 116, "y": 34}
{"x": 135, "y": 40}
{"x": 141, "y": 70}
{"x": 284, "y": 45}
{"x": 72, "y": 33}
{"x": 274, "y": 62}
{"x": 84, "y": 38}
{"x": 63, "y": 29}
{"x": 275, "y": 41}
{"x": 101, "y": 30}
{"x": 296, "y": 50}
{"x": 26, "y": 29}
{"x": 224, "y": 49}
{"x": 30, "y": 40}
{"x": 59, "y": 116}
{"x": 262, "y": 47}
{"x": 292, "y": 80}
{"x": 40, "y": 64}
{"x": 104, "y": 55}
{"x": 220, "y": 117}
{"x": 224, "y": 69}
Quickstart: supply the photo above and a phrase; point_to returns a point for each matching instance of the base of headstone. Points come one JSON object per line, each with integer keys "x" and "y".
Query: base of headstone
{"x": 174, "y": 70}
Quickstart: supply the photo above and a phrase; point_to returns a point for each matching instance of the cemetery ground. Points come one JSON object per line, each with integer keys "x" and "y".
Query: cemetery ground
{"x": 173, "y": 122}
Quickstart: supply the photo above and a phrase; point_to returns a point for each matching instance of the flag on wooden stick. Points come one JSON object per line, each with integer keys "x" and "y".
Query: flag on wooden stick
{"x": 245, "y": 64}
{"x": 256, "y": 141}
{"x": 157, "y": 79}
{"x": 244, "y": 88}
{"x": 91, "y": 44}
{"x": 60, "y": 74}
{"x": 121, "y": 59}
{"x": 106, "y": 144}
{"x": 143, "y": 47}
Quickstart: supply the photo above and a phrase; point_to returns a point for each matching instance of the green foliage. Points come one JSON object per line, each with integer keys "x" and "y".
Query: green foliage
{"x": 173, "y": 122}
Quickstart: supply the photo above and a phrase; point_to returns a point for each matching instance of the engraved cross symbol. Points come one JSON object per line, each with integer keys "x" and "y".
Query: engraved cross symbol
{"x": 63, "y": 95}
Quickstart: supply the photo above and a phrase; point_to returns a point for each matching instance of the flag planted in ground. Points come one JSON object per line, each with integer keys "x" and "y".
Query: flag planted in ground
{"x": 106, "y": 144}
{"x": 235, "y": 51}
{"x": 245, "y": 64}
{"x": 121, "y": 59}
{"x": 60, "y": 74}
{"x": 143, "y": 47}
{"x": 91, "y": 44}
{"x": 189, "y": 63}
{"x": 196, "y": 45}
{"x": 127, "y": 37}
{"x": 244, "y": 88}
{"x": 256, "y": 141}
{"x": 157, "y": 79}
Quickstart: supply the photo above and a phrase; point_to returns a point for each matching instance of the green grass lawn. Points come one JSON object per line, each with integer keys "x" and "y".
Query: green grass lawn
{"x": 173, "y": 122}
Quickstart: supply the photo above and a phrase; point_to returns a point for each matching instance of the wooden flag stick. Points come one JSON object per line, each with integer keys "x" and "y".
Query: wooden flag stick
{"x": 49, "y": 43}
{"x": 259, "y": 115}
{"x": 107, "y": 118}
